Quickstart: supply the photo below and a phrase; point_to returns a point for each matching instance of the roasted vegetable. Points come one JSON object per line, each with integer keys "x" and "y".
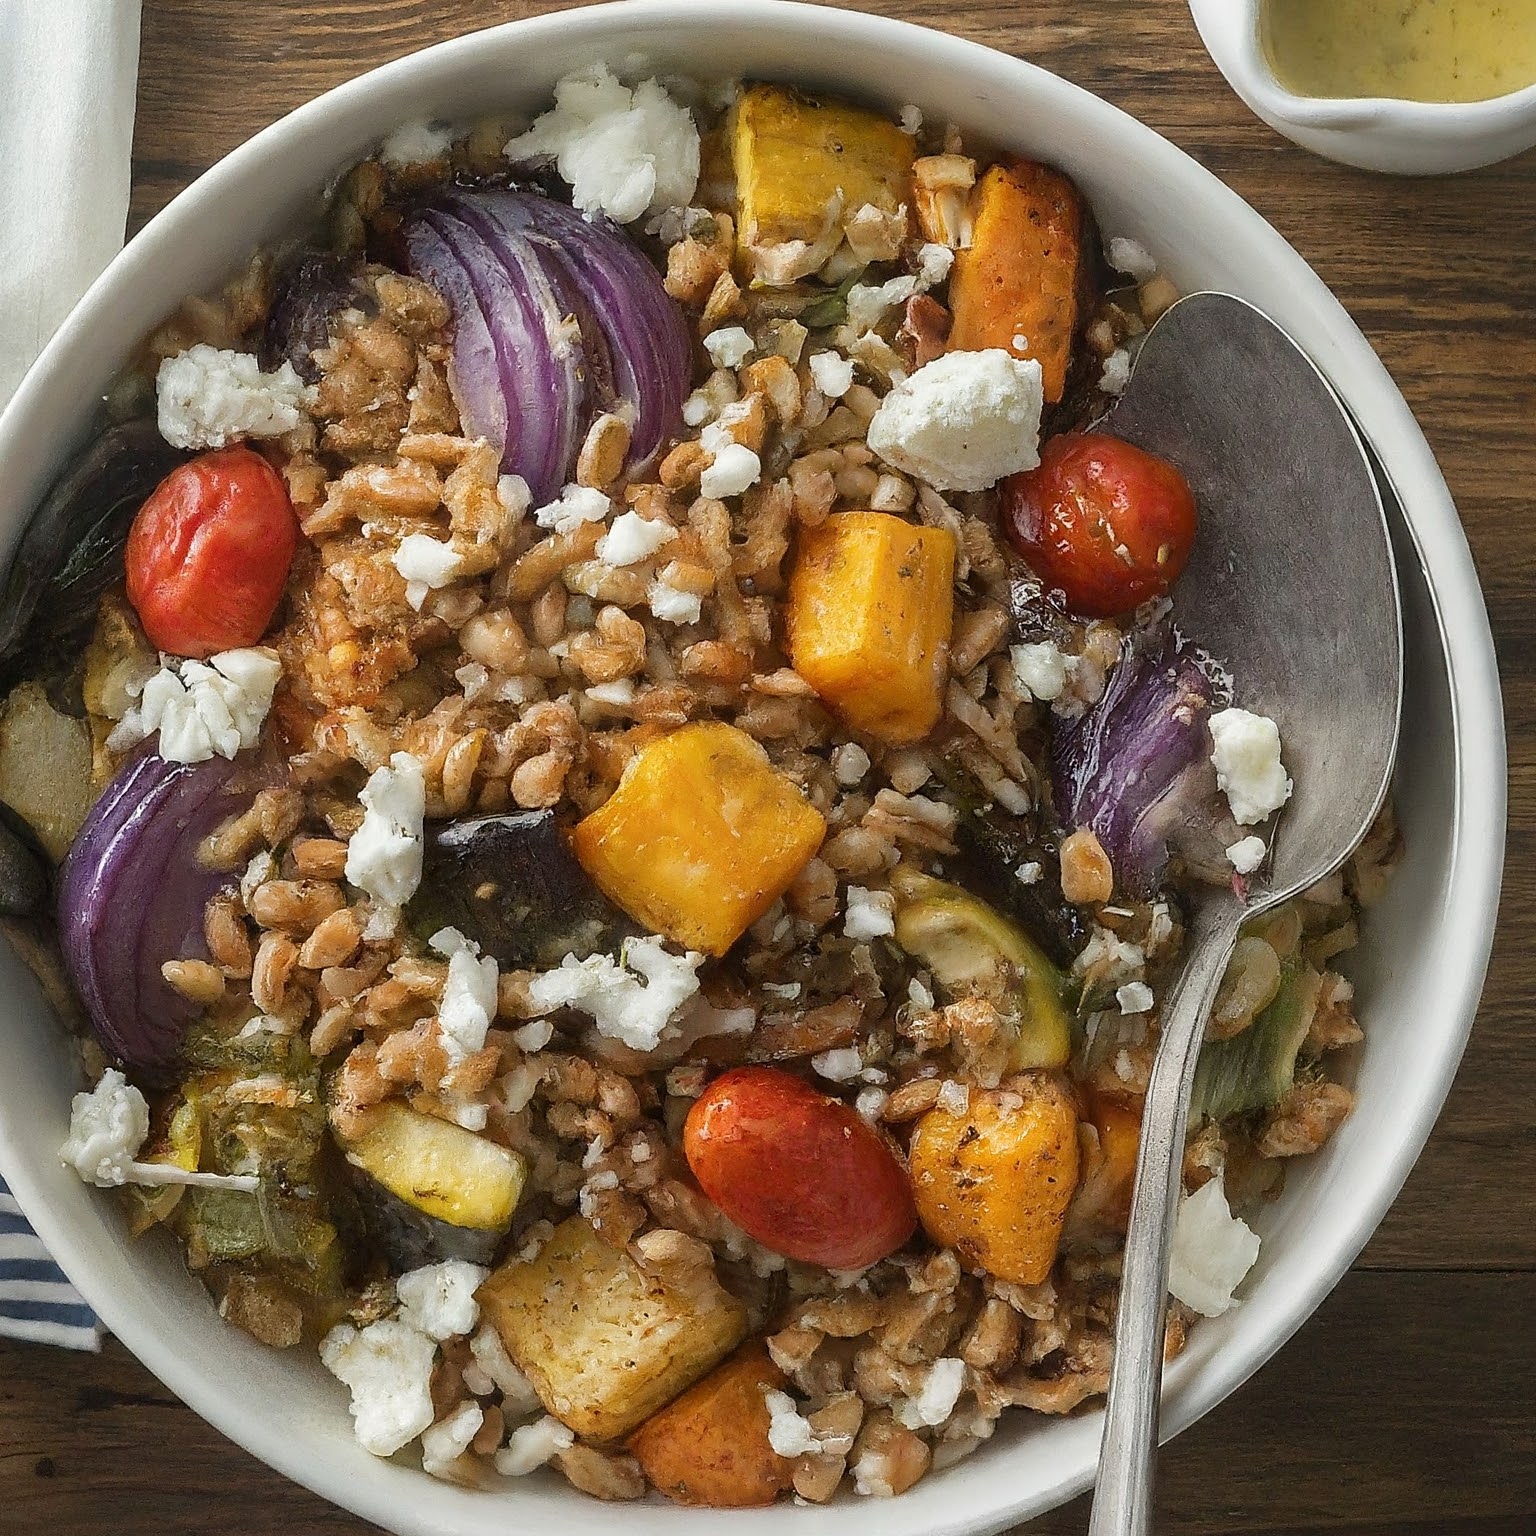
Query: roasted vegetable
{"x": 973, "y": 950}
{"x": 1019, "y": 285}
{"x": 23, "y": 880}
{"x": 994, "y": 1182}
{"x": 871, "y": 605}
{"x": 604, "y": 1343}
{"x": 455, "y": 1179}
{"x": 1255, "y": 1069}
{"x": 71, "y": 551}
{"x": 710, "y": 1447}
{"x": 803, "y": 166}
{"x": 512, "y": 885}
{"x": 701, "y": 837}
{"x": 310, "y": 293}
{"x": 118, "y": 660}
{"x": 798, "y": 1170}
{"x": 45, "y": 767}
{"x": 1110, "y": 1138}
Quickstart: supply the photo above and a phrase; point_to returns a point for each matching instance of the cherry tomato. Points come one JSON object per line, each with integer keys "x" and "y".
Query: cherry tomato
{"x": 797, "y": 1170}
{"x": 208, "y": 553}
{"x": 1101, "y": 521}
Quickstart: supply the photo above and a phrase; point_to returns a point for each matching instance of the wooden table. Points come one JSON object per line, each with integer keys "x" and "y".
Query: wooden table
{"x": 1409, "y": 1402}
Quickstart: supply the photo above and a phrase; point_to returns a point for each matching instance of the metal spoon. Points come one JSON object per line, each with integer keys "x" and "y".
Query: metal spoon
{"x": 1292, "y": 584}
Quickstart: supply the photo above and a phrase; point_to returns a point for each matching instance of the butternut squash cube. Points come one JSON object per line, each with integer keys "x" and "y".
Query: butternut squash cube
{"x": 603, "y": 1343}
{"x": 795, "y": 159}
{"x": 871, "y": 606}
{"x": 1022, "y": 275}
{"x": 701, "y": 837}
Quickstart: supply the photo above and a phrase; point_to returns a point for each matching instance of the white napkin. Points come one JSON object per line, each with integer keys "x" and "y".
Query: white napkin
{"x": 68, "y": 72}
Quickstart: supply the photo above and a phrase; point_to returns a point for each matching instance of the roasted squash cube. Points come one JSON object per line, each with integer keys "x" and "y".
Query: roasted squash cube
{"x": 701, "y": 837}
{"x": 603, "y": 1343}
{"x": 1019, "y": 285}
{"x": 797, "y": 160}
{"x": 871, "y": 605}
{"x": 994, "y": 1181}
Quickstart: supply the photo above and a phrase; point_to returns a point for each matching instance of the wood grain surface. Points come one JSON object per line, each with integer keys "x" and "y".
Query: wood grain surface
{"x": 1407, "y": 1407}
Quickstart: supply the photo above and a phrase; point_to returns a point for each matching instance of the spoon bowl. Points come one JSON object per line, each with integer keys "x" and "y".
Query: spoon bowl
{"x": 1292, "y": 584}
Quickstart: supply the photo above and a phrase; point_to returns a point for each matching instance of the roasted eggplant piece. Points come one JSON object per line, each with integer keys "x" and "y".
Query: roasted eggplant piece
{"x": 315, "y": 289}
{"x": 23, "y": 880}
{"x": 512, "y": 885}
{"x": 45, "y": 768}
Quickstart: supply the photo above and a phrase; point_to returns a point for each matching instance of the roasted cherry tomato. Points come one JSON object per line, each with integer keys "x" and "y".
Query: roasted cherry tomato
{"x": 797, "y": 1170}
{"x": 208, "y": 553}
{"x": 1101, "y": 521}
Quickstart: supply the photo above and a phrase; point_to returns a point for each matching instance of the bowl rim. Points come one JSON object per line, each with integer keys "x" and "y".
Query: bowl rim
{"x": 1474, "y": 859}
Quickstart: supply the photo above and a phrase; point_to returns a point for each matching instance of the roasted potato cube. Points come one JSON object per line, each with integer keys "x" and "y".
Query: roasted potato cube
{"x": 605, "y": 1344}
{"x": 871, "y": 605}
{"x": 1020, "y": 283}
{"x": 701, "y": 837}
{"x": 800, "y": 162}
{"x": 994, "y": 1182}
{"x": 711, "y": 1446}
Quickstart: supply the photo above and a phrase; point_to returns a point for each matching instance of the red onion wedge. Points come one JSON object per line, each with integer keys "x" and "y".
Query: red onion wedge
{"x": 131, "y": 896}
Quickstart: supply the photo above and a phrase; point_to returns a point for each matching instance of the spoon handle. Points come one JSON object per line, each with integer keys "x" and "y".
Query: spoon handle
{"x": 1122, "y": 1502}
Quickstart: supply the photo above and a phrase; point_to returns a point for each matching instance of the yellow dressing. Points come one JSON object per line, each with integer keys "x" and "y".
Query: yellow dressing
{"x": 1415, "y": 50}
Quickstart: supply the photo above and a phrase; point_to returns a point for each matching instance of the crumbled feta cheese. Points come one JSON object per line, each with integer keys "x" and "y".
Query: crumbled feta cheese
{"x": 698, "y": 408}
{"x": 937, "y": 1397}
{"x": 575, "y": 505}
{"x": 1246, "y": 854}
{"x": 384, "y": 855}
{"x": 532, "y": 1445}
{"x": 1116, "y": 373}
{"x": 919, "y": 995}
{"x": 832, "y": 374}
{"x": 388, "y": 1366}
{"x": 469, "y": 995}
{"x": 870, "y": 1102}
{"x": 633, "y": 538}
{"x": 729, "y": 347}
{"x": 426, "y": 564}
{"x": 1109, "y": 954}
{"x": 439, "y": 1299}
{"x": 415, "y": 144}
{"x": 789, "y": 1432}
{"x": 964, "y": 421}
{"x": 473, "y": 679}
{"x": 1134, "y": 997}
{"x": 1211, "y": 1250}
{"x": 207, "y": 398}
{"x": 623, "y": 152}
{"x": 839, "y": 1066}
{"x": 1028, "y": 873}
{"x": 1246, "y": 755}
{"x": 933, "y": 263}
{"x": 1131, "y": 257}
{"x": 533, "y": 1037}
{"x": 954, "y": 1098}
{"x": 200, "y": 708}
{"x": 734, "y": 469}
{"x": 850, "y": 762}
{"x": 515, "y": 497}
{"x": 673, "y": 605}
{"x": 447, "y": 1440}
{"x": 632, "y": 1000}
{"x": 911, "y": 118}
{"x": 869, "y": 914}
{"x": 1041, "y": 668}
{"x": 490, "y": 1354}
{"x": 868, "y": 302}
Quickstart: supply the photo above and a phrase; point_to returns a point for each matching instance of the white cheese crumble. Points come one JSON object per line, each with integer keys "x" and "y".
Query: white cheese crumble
{"x": 207, "y": 398}
{"x": 384, "y": 855}
{"x": 1029, "y": 872}
{"x": 933, "y": 264}
{"x": 1131, "y": 257}
{"x": 911, "y": 118}
{"x": 964, "y": 421}
{"x": 426, "y": 564}
{"x": 575, "y": 505}
{"x": 532, "y": 1445}
{"x": 954, "y": 1098}
{"x": 388, "y": 1366}
{"x": 632, "y": 1000}
{"x": 734, "y": 468}
{"x": 1134, "y": 997}
{"x": 919, "y": 995}
{"x": 936, "y": 1399}
{"x": 839, "y": 1066}
{"x": 624, "y": 152}
{"x": 869, "y": 914}
{"x": 533, "y": 1037}
{"x": 108, "y": 1125}
{"x": 1246, "y": 755}
{"x": 789, "y": 1431}
{"x": 439, "y": 1299}
{"x": 447, "y": 1440}
{"x": 832, "y": 374}
{"x": 1105, "y": 950}
{"x": 1246, "y": 854}
{"x": 469, "y": 995}
{"x": 1041, "y": 668}
{"x": 868, "y": 302}
{"x": 673, "y": 605}
{"x": 415, "y": 144}
{"x": 1211, "y": 1251}
{"x": 515, "y": 497}
{"x": 729, "y": 347}
{"x": 870, "y": 1102}
{"x": 518, "y": 1396}
{"x": 200, "y": 708}
{"x": 633, "y": 538}
{"x": 1116, "y": 373}
{"x": 850, "y": 762}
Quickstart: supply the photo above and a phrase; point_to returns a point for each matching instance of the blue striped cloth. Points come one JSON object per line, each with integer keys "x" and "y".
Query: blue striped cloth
{"x": 36, "y": 1302}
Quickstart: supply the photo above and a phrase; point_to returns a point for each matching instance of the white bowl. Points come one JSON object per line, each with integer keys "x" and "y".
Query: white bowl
{"x": 1420, "y": 971}
{"x": 1377, "y": 133}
